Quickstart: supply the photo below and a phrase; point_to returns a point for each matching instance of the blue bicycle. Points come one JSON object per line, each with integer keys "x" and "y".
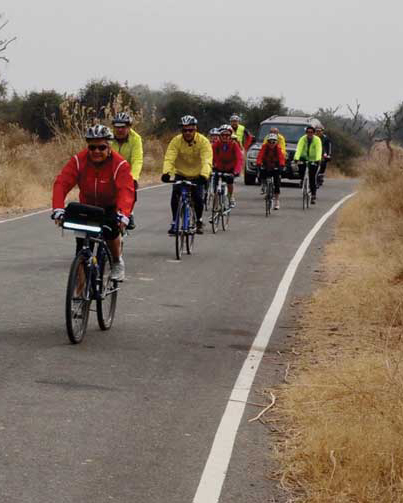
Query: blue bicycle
{"x": 185, "y": 221}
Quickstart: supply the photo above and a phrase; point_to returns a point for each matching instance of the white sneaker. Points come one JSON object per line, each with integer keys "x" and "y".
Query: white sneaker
{"x": 276, "y": 203}
{"x": 118, "y": 271}
{"x": 232, "y": 202}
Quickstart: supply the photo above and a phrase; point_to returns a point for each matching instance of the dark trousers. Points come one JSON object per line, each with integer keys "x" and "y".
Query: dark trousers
{"x": 197, "y": 196}
{"x": 323, "y": 166}
{"x": 313, "y": 168}
{"x": 275, "y": 173}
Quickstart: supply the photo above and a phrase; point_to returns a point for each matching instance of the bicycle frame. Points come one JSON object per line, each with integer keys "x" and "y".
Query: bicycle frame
{"x": 220, "y": 186}
{"x": 186, "y": 197}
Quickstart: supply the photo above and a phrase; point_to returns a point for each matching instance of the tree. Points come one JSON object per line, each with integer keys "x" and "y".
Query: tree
{"x": 4, "y": 42}
{"x": 40, "y": 112}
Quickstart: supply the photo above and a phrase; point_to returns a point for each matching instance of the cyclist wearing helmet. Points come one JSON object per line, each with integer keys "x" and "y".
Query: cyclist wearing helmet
{"x": 104, "y": 180}
{"x": 129, "y": 145}
{"x": 271, "y": 162}
{"x": 326, "y": 153}
{"x": 281, "y": 139}
{"x": 227, "y": 158}
{"x": 309, "y": 150}
{"x": 213, "y": 135}
{"x": 244, "y": 137}
{"x": 189, "y": 156}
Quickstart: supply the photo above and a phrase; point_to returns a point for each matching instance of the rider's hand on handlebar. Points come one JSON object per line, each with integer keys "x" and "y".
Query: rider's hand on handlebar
{"x": 122, "y": 221}
{"x": 58, "y": 216}
{"x": 165, "y": 178}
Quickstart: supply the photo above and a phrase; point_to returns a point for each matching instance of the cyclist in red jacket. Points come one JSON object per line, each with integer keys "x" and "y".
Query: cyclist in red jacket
{"x": 104, "y": 179}
{"x": 228, "y": 158}
{"x": 271, "y": 161}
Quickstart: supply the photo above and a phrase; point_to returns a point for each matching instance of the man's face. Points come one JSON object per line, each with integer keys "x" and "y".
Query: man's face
{"x": 121, "y": 132}
{"x": 274, "y": 130}
{"x": 213, "y": 138}
{"x": 225, "y": 137}
{"x": 188, "y": 133}
{"x": 310, "y": 132}
{"x": 98, "y": 150}
{"x": 319, "y": 132}
{"x": 234, "y": 125}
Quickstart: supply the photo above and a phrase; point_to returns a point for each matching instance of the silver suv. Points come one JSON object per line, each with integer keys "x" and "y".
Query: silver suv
{"x": 290, "y": 127}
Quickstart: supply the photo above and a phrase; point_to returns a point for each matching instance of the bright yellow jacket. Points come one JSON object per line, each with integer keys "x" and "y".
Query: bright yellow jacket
{"x": 189, "y": 160}
{"x": 280, "y": 141}
{"x": 315, "y": 150}
{"x": 132, "y": 151}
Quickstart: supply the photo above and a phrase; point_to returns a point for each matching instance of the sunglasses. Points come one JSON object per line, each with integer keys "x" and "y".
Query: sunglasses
{"x": 272, "y": 142}
{"x": 188, "y": 130}
{"x": 225, "y": 135}
{"x": 101, "y": 148}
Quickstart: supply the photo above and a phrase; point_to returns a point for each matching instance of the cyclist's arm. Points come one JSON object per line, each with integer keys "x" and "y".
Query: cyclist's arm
{"x": 281, "y": 142}
{"x": 64, "y": 182}
{"x": 281, "y": 157}
{"x": 261, "y": 155}
{"x": 318, "y": 150}
{"x": 239, "y": 159}
{"x": 206, "y": 156}
{"x": 124, "y": 189}
{"x": 300, "y": 147}
{"x": 170, "y": 157}
{"x": 136, "y": 160}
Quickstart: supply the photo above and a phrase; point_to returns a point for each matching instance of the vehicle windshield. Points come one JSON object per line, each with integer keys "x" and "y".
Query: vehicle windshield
{"x": 292, "y": 132}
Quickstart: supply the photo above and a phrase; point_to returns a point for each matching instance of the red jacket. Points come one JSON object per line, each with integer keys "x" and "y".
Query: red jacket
{"x": 270, "y": 156}
{"x": 230, "y": 159}
{"x": 109, "y": 185}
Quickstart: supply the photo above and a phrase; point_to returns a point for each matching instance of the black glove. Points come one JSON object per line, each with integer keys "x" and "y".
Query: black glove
{"x": 165, "y": 178}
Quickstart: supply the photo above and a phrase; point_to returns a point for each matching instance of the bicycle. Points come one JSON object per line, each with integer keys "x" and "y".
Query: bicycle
{"x": 89, "y": 277}
{"x": 306, "y": 189}
{"x": 220, "y": 210}
{"x": 208, "y": 194}
{"x": 185, "y": 221}
{"x": 268, "y": 192}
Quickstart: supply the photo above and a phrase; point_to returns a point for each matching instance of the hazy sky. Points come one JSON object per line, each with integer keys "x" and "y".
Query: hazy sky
{"x": 314, "y": 53}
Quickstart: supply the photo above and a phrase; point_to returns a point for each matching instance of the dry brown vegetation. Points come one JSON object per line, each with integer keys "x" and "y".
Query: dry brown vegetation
{"x": 344, "y": 406}
{"x": 28, "y": 166}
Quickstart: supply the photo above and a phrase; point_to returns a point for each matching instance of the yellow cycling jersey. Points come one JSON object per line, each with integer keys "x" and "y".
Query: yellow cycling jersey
{"x": 189, "y": 159}
{"x": 132, "y": 151}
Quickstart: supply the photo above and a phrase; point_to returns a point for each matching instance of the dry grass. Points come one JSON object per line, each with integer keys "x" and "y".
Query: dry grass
{"x": 344, "y": 406}
{"x": 28, "y": 167}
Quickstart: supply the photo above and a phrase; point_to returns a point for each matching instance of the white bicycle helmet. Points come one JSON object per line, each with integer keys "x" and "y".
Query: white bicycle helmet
{"x": 214, "y": 131}
{"x": 122, "y": 119}
{"x": 234, "y": 117}
{"x": 226, "y": 127}
{"x": 98, "y": 132}
{"x": 272, "y": 137}
{"x": 188, "y": 120}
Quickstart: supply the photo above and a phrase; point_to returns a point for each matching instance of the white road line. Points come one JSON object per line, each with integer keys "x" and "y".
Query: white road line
{"x": 215, "y": 470}
{"x": 6, "y": 220}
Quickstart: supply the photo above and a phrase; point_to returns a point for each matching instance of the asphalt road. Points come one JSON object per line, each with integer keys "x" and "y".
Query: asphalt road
{"x": 130, "y": 414}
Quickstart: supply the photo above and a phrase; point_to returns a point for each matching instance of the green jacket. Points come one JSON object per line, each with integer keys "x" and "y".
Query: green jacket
{"x": 189, "y": 160}
{"x": 315, "y": 149}
{"x": 132, "y": 151}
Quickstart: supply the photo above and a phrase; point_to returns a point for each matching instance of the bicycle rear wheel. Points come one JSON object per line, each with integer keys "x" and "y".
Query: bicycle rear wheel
{"x": 215, "y": 213}
{"x": 77, "y": 305}
{"x": 191, "y": 232}
{"x": 180, "y": 235}
{"x": 225, "y": 211}
{"x": 108, "y": 294}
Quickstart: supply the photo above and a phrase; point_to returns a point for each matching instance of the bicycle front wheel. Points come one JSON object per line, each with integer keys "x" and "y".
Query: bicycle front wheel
{"x": 180, "y": 235}
{"x": 225, "y": 211}
{"x": 215, "y": 213}
{"x": 191, "y": 233}
{"x": 108, "y": 291}
{"x": 269, "y": 198}
{"x": 77, "y": 303}
{"x": 305, "y": 195}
